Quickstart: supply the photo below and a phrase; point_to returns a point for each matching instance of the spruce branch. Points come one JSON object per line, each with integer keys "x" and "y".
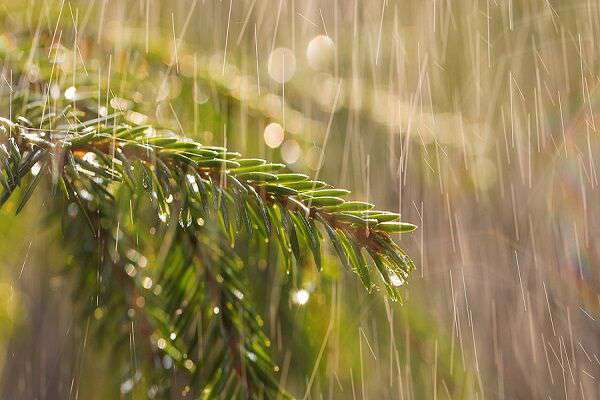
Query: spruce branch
{"x": 113, "y": 180}
{"x": 272, "y": 198}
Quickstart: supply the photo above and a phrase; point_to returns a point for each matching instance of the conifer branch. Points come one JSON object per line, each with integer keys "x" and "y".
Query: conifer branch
{"x": 113, "y": 181}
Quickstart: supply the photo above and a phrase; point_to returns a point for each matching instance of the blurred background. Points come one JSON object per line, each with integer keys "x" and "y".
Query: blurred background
{"x": 476, "y": 120}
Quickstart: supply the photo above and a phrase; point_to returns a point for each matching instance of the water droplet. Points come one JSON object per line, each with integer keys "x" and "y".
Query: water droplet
{"x": 147, "y": 282}
{"x": 86, "y": 195}
{"x": 90, "y": 158}
{"x": 238, "y": 294}
{"x": 120, "y": 104}
{"x": 300, "y": 297}
{"x": 130, "y": 269}
{"x": 71, "y": 93}
{"x": 274, "y": 135}
{"x": 126, "y": 386}
{"x": 35, "y": 169}
{"x": 136, "y": 117}
{"x": 163, "y": 216}
{"x": 396, "y": 280}
{"x": 98, "y": 313}
{"x": 140, "y": 301}
{"x": 290, "y": 151}
{"x": 282, "y": 64}
{"x": 142, "y": 261}
{"x": 192, "y": 181}
{"x": 320, "y": 52}
{"x": 167, "y": 362}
